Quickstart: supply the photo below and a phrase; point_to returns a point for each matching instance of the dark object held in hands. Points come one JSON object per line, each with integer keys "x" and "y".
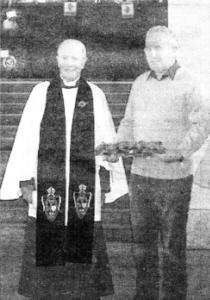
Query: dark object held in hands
{"x": 128, "y": 149}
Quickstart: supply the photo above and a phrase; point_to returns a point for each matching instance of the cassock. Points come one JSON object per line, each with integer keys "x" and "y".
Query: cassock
{"x": 73, "y": 280}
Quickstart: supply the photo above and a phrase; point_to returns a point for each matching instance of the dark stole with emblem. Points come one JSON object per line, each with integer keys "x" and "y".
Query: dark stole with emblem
{"x": 57, "y": 244}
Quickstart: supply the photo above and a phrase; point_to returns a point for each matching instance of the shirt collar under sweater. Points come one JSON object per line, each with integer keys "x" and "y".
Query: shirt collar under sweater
{"x": 170, "y": 73}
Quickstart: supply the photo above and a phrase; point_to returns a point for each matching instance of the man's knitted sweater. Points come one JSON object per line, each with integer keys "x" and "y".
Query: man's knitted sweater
{"x": 175, "y": 111}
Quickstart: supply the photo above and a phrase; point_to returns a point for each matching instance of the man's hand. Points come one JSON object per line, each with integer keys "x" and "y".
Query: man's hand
{"x": 170, "y": 156}
{"x": 113, "y": 158}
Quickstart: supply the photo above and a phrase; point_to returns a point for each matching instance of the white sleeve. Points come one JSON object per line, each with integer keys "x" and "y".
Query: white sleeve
{"x": 23, "y": 157}
{"x": 105, "y": 132}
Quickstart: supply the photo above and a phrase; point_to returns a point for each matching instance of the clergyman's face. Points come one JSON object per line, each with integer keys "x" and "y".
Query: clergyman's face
{"x": 71, "y": 60}
{"x": 159, "y": 53}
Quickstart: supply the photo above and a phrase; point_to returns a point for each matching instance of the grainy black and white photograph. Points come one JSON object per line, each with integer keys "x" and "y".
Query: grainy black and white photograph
{"x": 105, "y": 150}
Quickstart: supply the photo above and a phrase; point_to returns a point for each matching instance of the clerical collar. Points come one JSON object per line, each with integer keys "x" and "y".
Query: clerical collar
{"x": 170, "y": 73}
{"x": 69, "y": 85}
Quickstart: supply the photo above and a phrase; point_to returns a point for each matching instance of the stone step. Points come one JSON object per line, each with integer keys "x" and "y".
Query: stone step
{"x": 5, "y": 153}
{"x": 14, "y": 119}
{"x": 15, "y": 211}
{"x": 12, "y": 108}
{"x": 116, "y": 222}
{"x": 10, "y": 122}
{"x": 21, "y": 98}
{"x": 26, "y": 86}
{"x": 6, "y": 145}
{"x": 112, "y": 232}
{"x": 14, "y": 98}
{"x": 10, "y": 119}
{"x": 8, "y": 131}
{"x": 17, "y": 108}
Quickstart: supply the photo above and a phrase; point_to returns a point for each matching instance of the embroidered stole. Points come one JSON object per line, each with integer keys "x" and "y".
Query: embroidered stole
{"x": 56, "y": 243}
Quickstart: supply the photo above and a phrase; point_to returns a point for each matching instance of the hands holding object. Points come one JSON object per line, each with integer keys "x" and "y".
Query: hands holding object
{"x": 112, "y": 152}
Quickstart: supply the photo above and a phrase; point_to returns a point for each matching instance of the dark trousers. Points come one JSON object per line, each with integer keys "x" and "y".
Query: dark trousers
{"x": 159, "y": 212}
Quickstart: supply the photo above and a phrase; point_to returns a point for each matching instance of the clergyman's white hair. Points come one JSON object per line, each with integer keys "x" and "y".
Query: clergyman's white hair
{"x": 72, "y": 43}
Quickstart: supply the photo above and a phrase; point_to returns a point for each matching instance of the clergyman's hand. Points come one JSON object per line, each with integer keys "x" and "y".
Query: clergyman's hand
{"x": 27, "y": 187}
{"x": 27, "y": 193}
{"x": 103, "y": 198}
{"x": 170, "y": 156}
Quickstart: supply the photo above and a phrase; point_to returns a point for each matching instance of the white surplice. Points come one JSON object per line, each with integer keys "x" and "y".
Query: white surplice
{"x": 22, "y": 164}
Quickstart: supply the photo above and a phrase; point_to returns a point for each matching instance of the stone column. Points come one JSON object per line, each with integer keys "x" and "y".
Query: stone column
{"x": 190, "y": 20}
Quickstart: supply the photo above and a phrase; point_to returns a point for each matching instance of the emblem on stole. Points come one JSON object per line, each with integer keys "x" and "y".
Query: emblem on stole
{"x": 82, "y": 201}
{"x": 51, "y": 204}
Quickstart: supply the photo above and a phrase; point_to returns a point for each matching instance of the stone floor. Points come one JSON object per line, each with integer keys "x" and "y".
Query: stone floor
{"x": 122, "y": 266}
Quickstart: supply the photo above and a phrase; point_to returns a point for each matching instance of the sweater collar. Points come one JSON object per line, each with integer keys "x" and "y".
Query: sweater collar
{"x": 170, "y": 73}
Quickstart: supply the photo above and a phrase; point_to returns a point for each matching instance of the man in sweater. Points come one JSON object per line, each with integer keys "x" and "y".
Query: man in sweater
{"x": 168, "y": 105}
{"x": 53, "y": 162}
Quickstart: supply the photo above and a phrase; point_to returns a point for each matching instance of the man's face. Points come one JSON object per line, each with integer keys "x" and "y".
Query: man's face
{"x": 71, "y": 60}
{"x": 159, "y": 53}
